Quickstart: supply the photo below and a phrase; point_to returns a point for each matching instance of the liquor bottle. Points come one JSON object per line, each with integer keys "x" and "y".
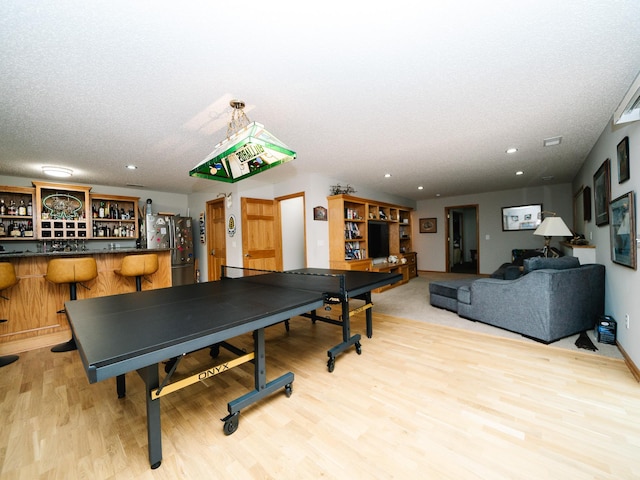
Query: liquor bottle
{"x": 28, "y": 232}
{"x": 116, "y": 213}
{"x": 30, "y": 208}
{"x": 94, "y": 211}
{"x": 22, "y": 208}
{"x": 12, "y": 208}
{"x": 101, "y": 210}
{"x": 95, "y": 230}
{"x": 3, "y": 207}
{"x": 3, "y": 232}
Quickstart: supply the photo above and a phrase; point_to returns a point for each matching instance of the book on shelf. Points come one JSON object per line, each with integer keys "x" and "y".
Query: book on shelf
{"x": 351, "y": 231}
{"x": 352, "y": 251}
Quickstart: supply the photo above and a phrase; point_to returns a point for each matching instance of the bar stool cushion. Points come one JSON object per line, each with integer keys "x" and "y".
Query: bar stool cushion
{"x": 71, "y": 270}
{"x": 137, "y": 265}
{"x": 7, "y": 275}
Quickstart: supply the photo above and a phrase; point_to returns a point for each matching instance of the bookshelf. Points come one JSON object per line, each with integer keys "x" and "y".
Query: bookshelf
{"x": 348, "y": 224}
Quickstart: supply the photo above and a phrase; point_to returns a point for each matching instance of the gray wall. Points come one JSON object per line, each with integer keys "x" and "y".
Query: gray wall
{"x": 621, "y": 283}
{"x": 495, "y": 245}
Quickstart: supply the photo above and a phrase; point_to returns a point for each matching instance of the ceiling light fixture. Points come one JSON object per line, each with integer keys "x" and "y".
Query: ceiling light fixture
{"x": 387, "y": 175}
{"x": 519, "y": 172}
{"x": 60, "y": 172}
{"x": 552, "y": 141}
{"x": 131, "y": 167}
{"x": 511, "y": 150}
{"x": 420, "y": 187}
{"x": 247, "y": 150}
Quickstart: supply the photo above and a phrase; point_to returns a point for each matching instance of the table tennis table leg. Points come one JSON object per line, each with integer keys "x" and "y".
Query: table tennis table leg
{"x": 347, "y": 339}
{"x": 154, "y": 433}
{"x": 368, "y": 314}
{"x": 262, "y": 387}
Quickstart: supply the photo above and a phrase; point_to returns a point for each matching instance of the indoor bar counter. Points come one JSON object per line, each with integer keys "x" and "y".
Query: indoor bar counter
{"x": 31, "y": 311}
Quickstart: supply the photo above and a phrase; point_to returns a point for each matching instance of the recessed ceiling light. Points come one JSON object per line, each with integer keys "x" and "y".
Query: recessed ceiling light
{"x": 420, "y": 187}
{"x": 60, "y": 172}
{"x": 437, "y": 194}
{"x": 511, "y": 150}
{"x": 519, "y": 172}
{"x": 552, "y": 142}
{"x": 131, "y": 167}
{"x": 387, "y": 175}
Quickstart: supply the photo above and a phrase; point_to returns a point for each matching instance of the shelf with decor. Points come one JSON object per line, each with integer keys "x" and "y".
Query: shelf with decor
{"x": 16, "y": 213}
{"x": 358, "y": 226}
{"x": 62, "y": 211}
{"x": 114, "y": 217}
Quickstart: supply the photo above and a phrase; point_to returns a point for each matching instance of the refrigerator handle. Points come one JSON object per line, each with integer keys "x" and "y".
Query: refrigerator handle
{"x": 172, "y": 233}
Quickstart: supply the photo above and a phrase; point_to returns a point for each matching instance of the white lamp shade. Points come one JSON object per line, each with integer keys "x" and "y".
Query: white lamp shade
{"x": 553, "y": 227}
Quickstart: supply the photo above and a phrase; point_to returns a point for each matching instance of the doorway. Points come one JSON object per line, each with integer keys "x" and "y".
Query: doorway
{"x": 216, "y": 238}
{"x": 462, "y": 239}
{"x": 292, "y": 228}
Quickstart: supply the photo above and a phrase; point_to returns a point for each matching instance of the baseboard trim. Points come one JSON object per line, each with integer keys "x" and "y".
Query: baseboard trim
{"x": 635, "y": 371}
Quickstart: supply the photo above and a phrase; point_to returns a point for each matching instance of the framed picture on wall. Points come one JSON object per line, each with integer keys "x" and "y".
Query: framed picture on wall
{"x": 602, "y": 192}
{"x": 521, "y": 217}
{"x": 428, "y": 225}
{"x": 320, "y": 213}
{"x": 623, "y": 230}
{"x": 586, "y": 203}
{"x": 623, "y": 160}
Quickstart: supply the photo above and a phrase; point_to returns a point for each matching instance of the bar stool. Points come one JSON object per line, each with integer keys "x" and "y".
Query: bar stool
{"x": 71, "y": 271}
{"x": 138, "y": 266}
{"x": 135, "y": 266}
{"x": 7, "y": 279}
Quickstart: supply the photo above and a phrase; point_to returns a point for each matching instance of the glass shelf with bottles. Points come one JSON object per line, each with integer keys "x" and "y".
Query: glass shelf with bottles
{"x": 16, "y": 213}
{"x": 114, "y": 216}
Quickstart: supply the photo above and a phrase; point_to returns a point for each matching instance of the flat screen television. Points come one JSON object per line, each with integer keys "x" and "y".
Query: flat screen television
{"x": 378, "y": 239}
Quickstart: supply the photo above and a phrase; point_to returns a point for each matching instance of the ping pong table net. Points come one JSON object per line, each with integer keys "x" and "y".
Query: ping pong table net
{"x": 326, "y": 283}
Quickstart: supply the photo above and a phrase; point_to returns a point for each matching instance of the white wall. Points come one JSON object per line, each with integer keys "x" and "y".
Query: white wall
{"x": 495, "y": 245}
{"x": 621, "y": 282}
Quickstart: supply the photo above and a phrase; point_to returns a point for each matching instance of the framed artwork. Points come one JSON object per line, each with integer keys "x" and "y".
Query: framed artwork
{"x": 623, "y": 160}
{"x": 521, "y": 217}
{"x": 428, "y": 225}
{"x": 602, "y": 192}
{"x": 320, "y": 213}
{"x": 586, "y": 203}
{"x": 623, "y": 230}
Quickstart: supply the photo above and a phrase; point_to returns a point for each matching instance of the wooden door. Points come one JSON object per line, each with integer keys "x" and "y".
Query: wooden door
{"x": 261, "y": 240}
{"x": 216, "y": 238}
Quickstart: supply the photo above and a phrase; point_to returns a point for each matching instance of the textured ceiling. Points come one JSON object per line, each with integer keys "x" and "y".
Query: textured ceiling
{"x": 431, "y": 92}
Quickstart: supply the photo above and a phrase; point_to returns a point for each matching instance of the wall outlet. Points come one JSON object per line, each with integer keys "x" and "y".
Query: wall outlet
{"x": 626, "y": 320}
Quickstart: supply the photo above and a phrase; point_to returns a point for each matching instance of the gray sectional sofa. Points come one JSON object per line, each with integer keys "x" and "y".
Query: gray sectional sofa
{"x": 552, "y": 299}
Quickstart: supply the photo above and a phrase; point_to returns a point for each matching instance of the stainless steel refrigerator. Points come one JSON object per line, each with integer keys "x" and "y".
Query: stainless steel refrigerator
{"x": 175, "y": 233}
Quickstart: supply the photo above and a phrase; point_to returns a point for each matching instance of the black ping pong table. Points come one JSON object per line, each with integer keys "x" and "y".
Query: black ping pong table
{"x": 138, "y": 331}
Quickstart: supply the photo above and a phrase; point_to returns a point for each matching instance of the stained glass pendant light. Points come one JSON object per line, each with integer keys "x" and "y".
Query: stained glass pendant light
{"x": 248, "y": 149}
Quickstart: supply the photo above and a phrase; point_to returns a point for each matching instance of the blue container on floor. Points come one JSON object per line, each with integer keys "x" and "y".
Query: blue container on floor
{"x": 606, "y": 330}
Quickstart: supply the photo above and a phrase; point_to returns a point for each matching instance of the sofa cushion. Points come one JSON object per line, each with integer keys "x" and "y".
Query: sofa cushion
{"x": 507, "y": 271}
{"x": 562, "y": 263}
{"x": 449, "y": 288}
{"x": 519, "y": 255}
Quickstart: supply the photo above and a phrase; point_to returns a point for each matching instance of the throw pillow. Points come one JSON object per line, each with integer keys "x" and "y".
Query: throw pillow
{"x": 562, "y": 263}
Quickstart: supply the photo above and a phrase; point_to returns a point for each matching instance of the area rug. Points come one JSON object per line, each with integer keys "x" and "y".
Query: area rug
{"x": 411, "y": 300}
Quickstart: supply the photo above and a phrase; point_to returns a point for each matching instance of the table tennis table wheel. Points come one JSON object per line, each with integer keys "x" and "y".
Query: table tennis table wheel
{"x": 231, "y": 423}
{"x": 331, "y": 364}
{"x": 288, "y": 390}
{"x": 358, "y": 348}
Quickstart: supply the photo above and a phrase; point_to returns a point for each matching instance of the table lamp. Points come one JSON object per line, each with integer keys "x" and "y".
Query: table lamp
{"x": 552, "y": 227}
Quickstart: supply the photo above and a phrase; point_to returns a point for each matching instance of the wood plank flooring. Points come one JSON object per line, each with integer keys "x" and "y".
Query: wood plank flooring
{"x": 421, "y": 401}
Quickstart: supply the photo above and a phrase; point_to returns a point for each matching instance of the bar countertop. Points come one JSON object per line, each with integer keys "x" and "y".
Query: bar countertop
{"x": 75, "y": 253}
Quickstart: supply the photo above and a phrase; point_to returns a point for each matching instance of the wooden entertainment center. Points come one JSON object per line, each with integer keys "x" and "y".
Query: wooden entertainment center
{"x": 349, "y": 245}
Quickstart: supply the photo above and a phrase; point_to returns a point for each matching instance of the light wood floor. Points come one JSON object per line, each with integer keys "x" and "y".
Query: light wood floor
{"x": 420, "y": 402}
